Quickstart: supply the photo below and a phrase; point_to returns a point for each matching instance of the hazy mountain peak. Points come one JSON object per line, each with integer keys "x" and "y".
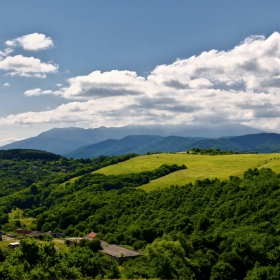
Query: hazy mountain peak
{"x": 65, "y": 140}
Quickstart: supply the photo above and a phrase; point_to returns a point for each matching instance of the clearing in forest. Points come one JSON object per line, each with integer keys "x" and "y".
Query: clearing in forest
{"x": 198, "y": 167}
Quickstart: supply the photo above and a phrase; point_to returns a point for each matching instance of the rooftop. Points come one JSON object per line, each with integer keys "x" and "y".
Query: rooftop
{"x": 117, "y": 251}
{"x": 91, "y": 235}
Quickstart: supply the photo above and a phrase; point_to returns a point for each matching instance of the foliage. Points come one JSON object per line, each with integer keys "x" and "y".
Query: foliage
{"x": 211, "y": 151}
{"x": 30, "y": 171}
{"x": 34, "y": 261}
{"x": 24, "y": 154}
{"x": 209, "y": 229}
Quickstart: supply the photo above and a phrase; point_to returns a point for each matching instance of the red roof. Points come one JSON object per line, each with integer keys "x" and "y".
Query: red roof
{"x": 92, "y": 235}
{"x": 22, "y": 231}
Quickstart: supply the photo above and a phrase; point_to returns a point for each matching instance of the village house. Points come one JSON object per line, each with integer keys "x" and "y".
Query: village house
{"x": 91, "y": 235}
{"x": 56, "y": 234}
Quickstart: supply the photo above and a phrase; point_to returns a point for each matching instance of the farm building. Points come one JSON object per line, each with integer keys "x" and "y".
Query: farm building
{"x": 118, "y": 253}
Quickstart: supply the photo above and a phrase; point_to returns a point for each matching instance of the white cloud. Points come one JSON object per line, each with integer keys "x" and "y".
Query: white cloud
{"x": 26, "y": 66}
{"x": 32, "y": 42}
{"x": 239, "y": 85}
{"x": 38, "y": 91}
{"x": 101, "y": 85}
{"x": 6, "y": 85}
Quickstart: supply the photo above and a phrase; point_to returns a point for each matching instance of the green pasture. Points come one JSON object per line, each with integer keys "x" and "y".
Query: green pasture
{"x": 59, "y": 244}
{"x": 16, "y": 215}
{"x": 198, "y": 167}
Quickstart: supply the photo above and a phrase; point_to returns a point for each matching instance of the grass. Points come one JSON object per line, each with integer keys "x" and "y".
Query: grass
{"x": 72, "y": 180}
{"x": 16, "y": 214}
{"x": 59, "y": 244}
{"x": 198, "y": 167}
{"x": 4, "y": 244}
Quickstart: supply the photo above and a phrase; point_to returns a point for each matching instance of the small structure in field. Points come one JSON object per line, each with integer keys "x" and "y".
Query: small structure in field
{"x": 14, "y": 245}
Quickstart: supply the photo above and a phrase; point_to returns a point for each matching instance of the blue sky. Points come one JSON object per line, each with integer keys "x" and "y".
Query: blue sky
{"x": 92, "y": 63}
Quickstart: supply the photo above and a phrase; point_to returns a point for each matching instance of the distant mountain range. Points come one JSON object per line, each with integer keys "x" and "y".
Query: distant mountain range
{"x": 262, "y": 143}
{"x": 65, "y": 140}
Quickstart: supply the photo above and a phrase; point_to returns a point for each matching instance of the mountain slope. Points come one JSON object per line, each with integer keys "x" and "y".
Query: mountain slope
{"x": 167, "y": 144}
{"x": 114, "y": 147}
{"x": 262, "y": 143}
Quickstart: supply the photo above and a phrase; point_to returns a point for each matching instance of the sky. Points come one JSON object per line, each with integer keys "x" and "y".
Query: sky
{"x": 109, "y": 63}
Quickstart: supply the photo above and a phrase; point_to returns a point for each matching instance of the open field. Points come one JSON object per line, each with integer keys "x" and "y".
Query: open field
{"x": 198, "y": 167}
{"x": 16, "y": 215}
{"x": 58, "y": 243}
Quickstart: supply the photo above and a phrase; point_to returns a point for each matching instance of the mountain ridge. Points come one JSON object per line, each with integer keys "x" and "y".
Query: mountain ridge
{"x": 65, "y": 140}
{"x": 262, "y": 143}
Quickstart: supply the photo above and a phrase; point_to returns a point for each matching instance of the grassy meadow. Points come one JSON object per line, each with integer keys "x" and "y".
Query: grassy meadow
{"x": 16, "y": 215}
{"x": 198, "y": 167}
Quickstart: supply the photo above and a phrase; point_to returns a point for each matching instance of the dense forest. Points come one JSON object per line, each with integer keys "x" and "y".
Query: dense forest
{"x": 211, "y": 229}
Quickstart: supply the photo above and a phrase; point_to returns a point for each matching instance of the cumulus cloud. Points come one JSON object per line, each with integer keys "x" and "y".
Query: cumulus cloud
{"x": 6, "y": 85}
{"x": 102, "y": 85}
{"x": 20, "y": 65}
{"x": 238, "y": 85}
{"x": 26, "y": 66}
{"x": 31, "y": 42}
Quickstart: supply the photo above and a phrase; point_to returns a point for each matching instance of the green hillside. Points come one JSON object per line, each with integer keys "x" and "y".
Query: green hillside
{"x": 207, "y": 229}
{"x": 198, "y": 167}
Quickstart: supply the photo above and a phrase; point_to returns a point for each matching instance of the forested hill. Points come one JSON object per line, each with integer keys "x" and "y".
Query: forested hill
{"x": 115, "y": 147}
{"x": 210, "y": 229}
{"x": 141, "y": 144}
{"x": 27, "y": 154}
{"x": 20, "y": 169}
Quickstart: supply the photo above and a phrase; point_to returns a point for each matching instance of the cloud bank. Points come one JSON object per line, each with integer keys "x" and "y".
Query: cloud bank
{"x": 23, "y": 66}
{"x": 238, "y": 85}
